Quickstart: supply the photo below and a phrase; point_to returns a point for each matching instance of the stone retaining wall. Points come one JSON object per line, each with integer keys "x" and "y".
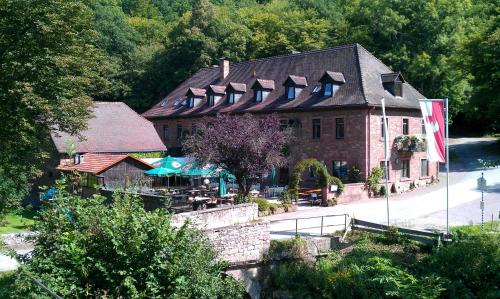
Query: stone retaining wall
{"x": 218, "y": 217}
{"x": 241, "y": 243}
{"x": 353, "y": 192}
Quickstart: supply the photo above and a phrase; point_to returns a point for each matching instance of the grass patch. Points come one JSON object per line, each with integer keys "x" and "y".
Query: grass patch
{"x": 475, "y": 229}
{"x": 17, "y": 222}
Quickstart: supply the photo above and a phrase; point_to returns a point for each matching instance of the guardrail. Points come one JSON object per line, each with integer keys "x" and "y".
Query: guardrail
{"x": 300, "y": 229}
{"x": 423, "y": 236}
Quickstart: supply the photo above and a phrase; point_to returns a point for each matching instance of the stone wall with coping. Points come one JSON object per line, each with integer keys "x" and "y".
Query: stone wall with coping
{"x": 241, "y": 243}
{"x": 353, "y": 192}
{"x": 218, "y": 217}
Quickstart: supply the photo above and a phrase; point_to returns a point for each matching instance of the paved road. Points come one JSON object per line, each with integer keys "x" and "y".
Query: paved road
{"x": 424, "y": 208}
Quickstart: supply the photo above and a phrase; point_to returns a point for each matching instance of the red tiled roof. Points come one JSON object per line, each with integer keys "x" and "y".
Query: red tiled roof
{"x": 96, "y": 163}
{"x": 113, "y": 128}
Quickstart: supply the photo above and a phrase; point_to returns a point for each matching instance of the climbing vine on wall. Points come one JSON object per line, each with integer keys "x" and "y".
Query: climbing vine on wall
{"x": 324, "y": 179}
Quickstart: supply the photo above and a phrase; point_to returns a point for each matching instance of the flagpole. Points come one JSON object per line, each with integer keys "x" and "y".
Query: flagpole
{"x": 386, "y": 162}
{"x": 447, "y": 167}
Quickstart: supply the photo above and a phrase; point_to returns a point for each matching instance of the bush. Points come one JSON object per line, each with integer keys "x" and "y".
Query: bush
{"x": 286, "y": 197}
{"x": 354, "y": 174}
{"x": 263, "y": 204}
{"x": 87, "y": 249}
{"x": 241, "y": 199}
{"x": 382, "y": 191}
{"x": 373, "y": 179}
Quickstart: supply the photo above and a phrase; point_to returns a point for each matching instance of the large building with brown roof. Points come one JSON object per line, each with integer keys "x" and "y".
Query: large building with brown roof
{"x": 331, "y": 96}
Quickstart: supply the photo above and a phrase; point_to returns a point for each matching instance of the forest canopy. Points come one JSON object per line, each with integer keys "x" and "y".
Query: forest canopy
{"x": 444, "y": 48}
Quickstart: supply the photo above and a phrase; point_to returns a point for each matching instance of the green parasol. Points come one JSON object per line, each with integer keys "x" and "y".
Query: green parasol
{"x": 222, "y": 187}
{"x": 273, "y": 177}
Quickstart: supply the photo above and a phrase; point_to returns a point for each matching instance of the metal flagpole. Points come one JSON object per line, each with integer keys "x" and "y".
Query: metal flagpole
{"x": 447, "y": 167}
{"x": 386, "y": 162}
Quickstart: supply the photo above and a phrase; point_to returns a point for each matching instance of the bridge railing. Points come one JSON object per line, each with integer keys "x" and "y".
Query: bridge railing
{"x": 312, "y": 226}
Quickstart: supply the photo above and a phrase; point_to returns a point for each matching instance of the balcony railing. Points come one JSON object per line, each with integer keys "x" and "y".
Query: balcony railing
{"x": 410, "y": 143}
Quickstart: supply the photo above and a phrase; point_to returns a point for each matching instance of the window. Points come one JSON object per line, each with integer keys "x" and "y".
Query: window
{"x": 165, "y": 132}
{"x": 382, "y": 166}
{"x": 328, "y": 89}
{"x": 316, "y": 127}
{"x": 339, "y": 128}
{"x": 424, "y": 168}
{"x": 211, "y": 100}
{"x": 405, "y": 168}
{"x": 423, "y": 126}
{"x": 283, "y": 124}
{"x": 179, "y": 131}
{"x": 406, "y": 125}
{"x": 316, "y": 88}
{"x": 290, "y": 92}
{"x": 340, "y": 169}
{"x": 398, "y": 89}
{"x": 311, "y": 173}
{"x": 231, "y": 98}
{"x": 382, "y": 125}
{"x": 190, "y": 102}
{"x": 258, "y": 95}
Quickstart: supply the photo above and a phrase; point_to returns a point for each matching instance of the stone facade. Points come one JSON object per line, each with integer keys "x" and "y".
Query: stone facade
{"x": 362, "y": 145}
{"x": 241, "y": 243}
{"x": 218, "y": 217}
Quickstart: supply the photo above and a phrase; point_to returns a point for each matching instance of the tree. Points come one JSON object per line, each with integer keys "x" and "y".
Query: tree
{"x": 48, "y": 70}
{"x": 85, "y": 248}
{"x": 246, "y": 145}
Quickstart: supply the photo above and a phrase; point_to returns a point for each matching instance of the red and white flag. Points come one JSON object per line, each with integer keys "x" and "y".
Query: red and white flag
{"x": 433, "y": 114}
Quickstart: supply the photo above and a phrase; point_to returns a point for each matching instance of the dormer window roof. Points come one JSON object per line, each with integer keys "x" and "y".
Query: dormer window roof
{"x": 263, "y": 84}
{"x": 196, "y": 92}
{"x": 217, "y": 89}
{"x": 391, "y": 77}
{"x": 237, "y": 87}
{"x": 296, "y": 81}
{"x": 393, "y": 83}
{"x": 333, "y": 77}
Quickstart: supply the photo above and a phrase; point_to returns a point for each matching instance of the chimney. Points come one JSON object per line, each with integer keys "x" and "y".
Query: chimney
{"x": 224, "y": 67}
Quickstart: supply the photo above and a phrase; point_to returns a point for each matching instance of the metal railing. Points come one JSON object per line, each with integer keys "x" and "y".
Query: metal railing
{"x": 300, "y": 229}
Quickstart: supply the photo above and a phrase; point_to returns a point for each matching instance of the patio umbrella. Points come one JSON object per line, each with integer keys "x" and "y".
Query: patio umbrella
{"x": 222, "y": 187}
{"x": 273, "y": 177}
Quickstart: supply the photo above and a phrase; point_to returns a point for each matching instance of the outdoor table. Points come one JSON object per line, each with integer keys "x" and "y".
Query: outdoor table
{"x": 254, "y": 192}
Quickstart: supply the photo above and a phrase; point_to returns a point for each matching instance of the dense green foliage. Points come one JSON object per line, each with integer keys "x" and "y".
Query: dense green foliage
{"x": 393, "y": 267}
{"x": 444, "y": 48}
{"x": 88, "y": 249}
{"x": 49, "y": 68}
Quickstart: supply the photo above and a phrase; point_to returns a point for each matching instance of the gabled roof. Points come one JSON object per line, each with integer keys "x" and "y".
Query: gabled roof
{"x": 97, "y": 163}
{"x": 333, "y": 76}
{"x": 297, "y": 80}
{"x": 391, "y": 77}
{"x": 238, "y": 87}
{"x": 361, "y": 71}
{"x": 197, "y": 92}
{"x": 264, "y": 84}
{"x": 113, "y": 128}
{"x": 217, "y": 89}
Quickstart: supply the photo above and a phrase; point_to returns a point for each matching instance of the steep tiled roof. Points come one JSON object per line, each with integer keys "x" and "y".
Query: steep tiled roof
{"x": 96, "y": 163}
{"x": 113, "y": 128}
{"x": 390, "y": 77}
{"x": 298, "y": 80}
{"x": 334, "y": 76}
{"x": 361, "y": 71}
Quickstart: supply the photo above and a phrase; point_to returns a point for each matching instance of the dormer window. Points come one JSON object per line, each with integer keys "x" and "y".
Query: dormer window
{"x": 235, "y": 91}
{"x": 262, "y": 88}
{"x": 258, "y": 95}
{"x": 393, "y": 83}
{"x": 331, "y": 82}
{"x": 194, "y": 96}
{"x": 294, "y": 86}
{"x": 290, "y": 94}
{"x": 215, "y": 93}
